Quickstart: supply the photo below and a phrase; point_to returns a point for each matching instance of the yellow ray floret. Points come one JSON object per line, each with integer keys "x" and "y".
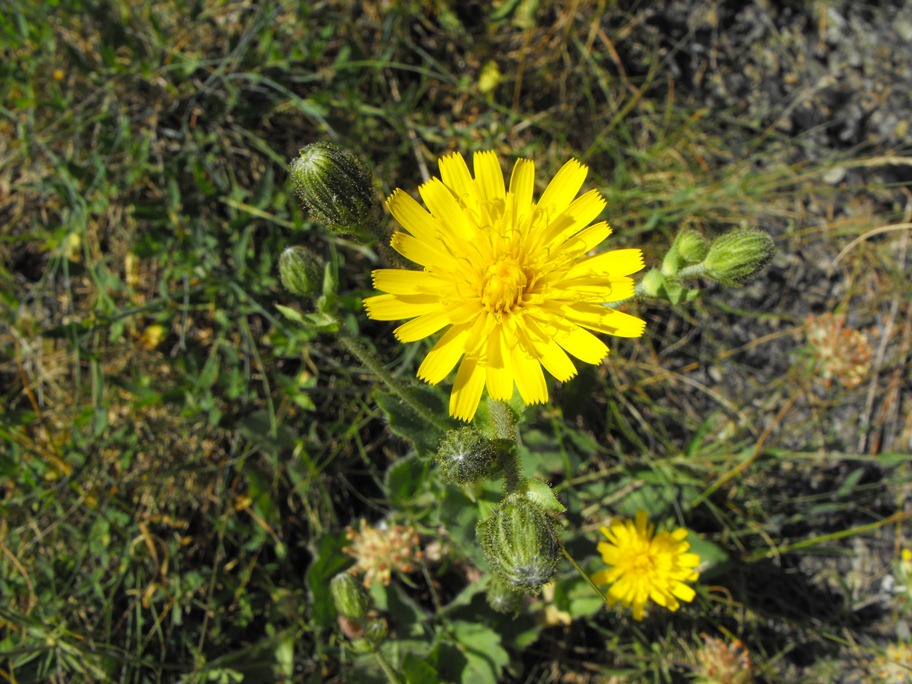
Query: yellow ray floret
{"x": 507, "y": 281}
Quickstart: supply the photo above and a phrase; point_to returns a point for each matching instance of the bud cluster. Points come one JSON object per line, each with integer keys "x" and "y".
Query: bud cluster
{"x": 731, "y": 259}
{"x": 357, "y": 619}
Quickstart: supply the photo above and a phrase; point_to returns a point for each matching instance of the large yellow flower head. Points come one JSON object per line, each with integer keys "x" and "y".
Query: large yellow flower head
{"x": 508, "y": 279}
{"x": 644, "y": 567}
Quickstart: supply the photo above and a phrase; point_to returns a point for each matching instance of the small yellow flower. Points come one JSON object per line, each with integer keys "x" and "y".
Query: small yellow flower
{"x": 508, "y": 280}
{"x": 644, "y": 567}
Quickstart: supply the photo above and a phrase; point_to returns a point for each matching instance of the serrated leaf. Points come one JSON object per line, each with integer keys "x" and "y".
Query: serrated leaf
{"x": 406, "y": 423}
{"x": 404, "y": 480}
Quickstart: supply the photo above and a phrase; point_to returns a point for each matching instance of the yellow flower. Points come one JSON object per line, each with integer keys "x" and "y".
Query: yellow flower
{"x": 644, "y": 566}
{"x": 509, "y": 280}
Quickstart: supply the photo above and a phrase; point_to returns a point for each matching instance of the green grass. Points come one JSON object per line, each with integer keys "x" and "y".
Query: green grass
{"x": 179, "y": 462}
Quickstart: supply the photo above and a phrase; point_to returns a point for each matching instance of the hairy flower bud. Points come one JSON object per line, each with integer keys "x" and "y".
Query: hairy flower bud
{"x": 692, "y": 247}
{"x": 465, "y": 456}
{"x": 301, "y": 272}
{"x": 349, "y": 596}
{"x": 739, "y": 255}
{"x": 335, "y": 186}
{"x": 502, "y": 598}
{"x": 520, "y": 543}
{"x": 689, "y": 248}
{"x": 376, "y": 631}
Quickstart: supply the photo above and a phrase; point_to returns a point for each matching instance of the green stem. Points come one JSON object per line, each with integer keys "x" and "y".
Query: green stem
{"x": 373, "y": 363}
{"x": 582, "y": 574}
{"x": 391, "y": 673}
{"x": 505, "y": 427}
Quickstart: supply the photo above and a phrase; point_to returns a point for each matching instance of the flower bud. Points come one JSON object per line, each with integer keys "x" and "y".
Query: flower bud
{"x": 689, "y": 248}
{"x": 502, "y": 598}
{"x": 301, "y": 272}
{"x": 376, "y": 631}
{"x": 349, "y": 596}
{"x": 335, "y": 186}
{"x": 465, "y": 456}
{"x": 692, "y": 247}
{"x": 739, "y": 255}
{"x": 520, "y": 543}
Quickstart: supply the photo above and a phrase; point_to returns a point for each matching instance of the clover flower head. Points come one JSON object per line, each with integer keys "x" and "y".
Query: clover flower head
{"x": 839, "y": 352}
{"x": 644, "y": 565}
{"x": 722, "y": 663}
{"x": 381, "y": 550}
{"x": 508, "y": 280}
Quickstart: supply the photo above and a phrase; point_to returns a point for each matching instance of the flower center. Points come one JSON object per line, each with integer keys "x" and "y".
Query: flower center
{"x": 642, "y": 563}
{"x": 502, "y": 286}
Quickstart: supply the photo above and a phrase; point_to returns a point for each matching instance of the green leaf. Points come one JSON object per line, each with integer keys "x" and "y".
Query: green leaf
{"x": 312, "y": 321}
{"x": 328, "y": 562}
{"x": 404, "y": 480}
{"x": 573, "y": 595}
{"x": 419, "y": 670}
{"x": 480, "y": 646}
{"x": 713, "y": 558}
{"x": 542, "y": 494}
{"x": 405, "y": 422}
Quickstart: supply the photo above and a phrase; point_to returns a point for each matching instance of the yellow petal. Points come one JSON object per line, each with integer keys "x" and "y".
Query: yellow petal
{"x": 563, "y": 188}
{"x": 422, "y": 326}
{"x": 607, "y": 321}
{"x": 595, "y": 289}
{"x": 499, "y": 377}
{"x": 528, "y": 375}
{"x": 396, "y": 307}
{"x": 552, "y": 357}
{"x": 444, "y": 356}
{"x": 420, "y": 251}
{"x": 443, "y": 205}
{"x": 455, "y": 175}
{"x": 683, "y": 592}
{"x": 490, "y": 182}
{"x": 467, "y": 389}
{"x": 411, "y": 215}
{"x": 587, "y": 239}
{"x": 522, "y": 185}
{"x": 582, "y": 344}
{"x": 581, "y": 212}
{"x": 617, "y": 262}
{"x": 400, "y": 281}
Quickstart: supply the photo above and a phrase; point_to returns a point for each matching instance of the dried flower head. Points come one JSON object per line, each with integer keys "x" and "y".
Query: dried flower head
{"x": 645, "y": 565}
{"x": 381, "y": 550}
{"x": 893, "y": 665}
{"x": 721, "y": 663}
{"x": 838, "y": 352}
